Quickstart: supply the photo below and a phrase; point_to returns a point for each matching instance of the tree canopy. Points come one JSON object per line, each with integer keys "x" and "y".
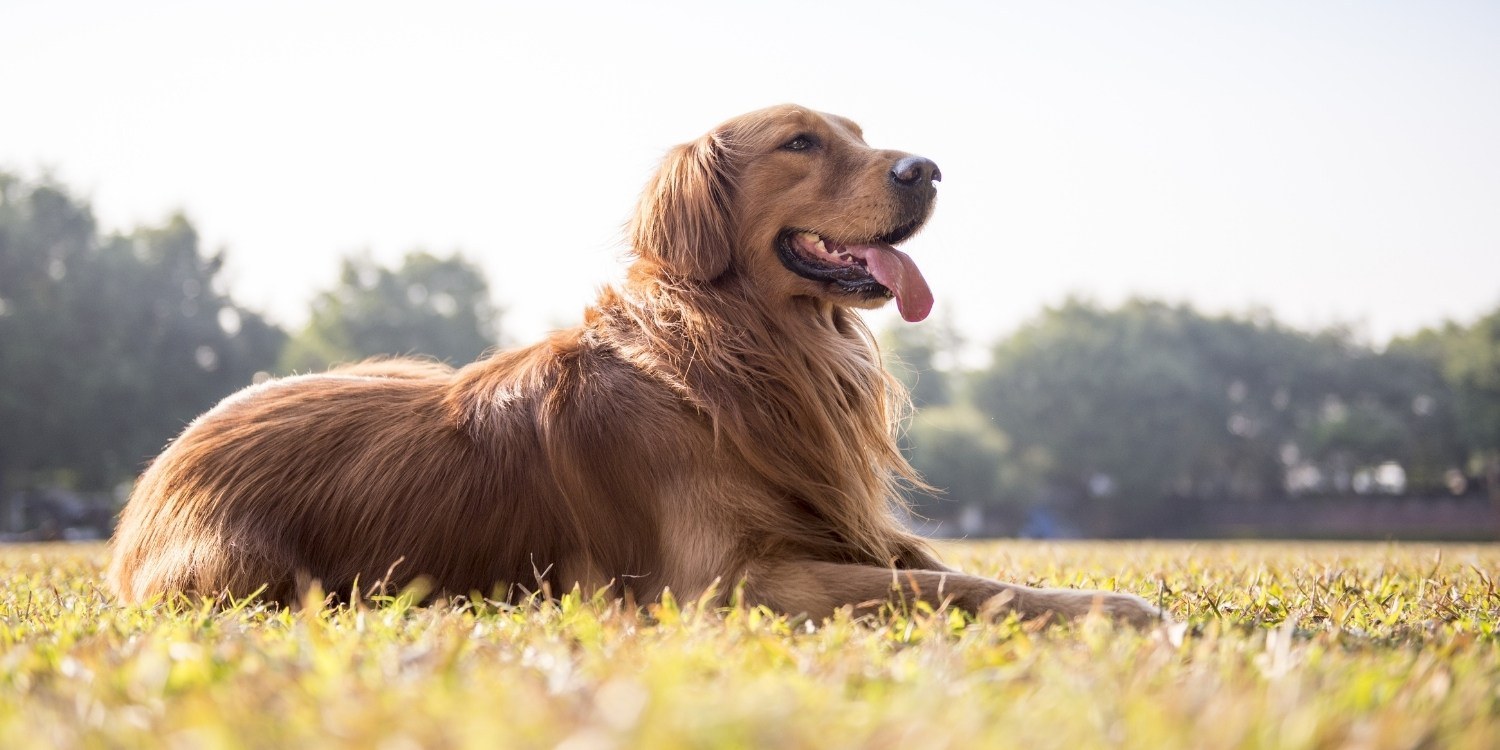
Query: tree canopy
{"x": 1126, "y": 415}
{"x": 432, "y": 306}
{"x": 111, "y": 342}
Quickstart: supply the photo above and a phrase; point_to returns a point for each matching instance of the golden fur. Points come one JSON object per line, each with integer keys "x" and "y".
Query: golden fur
{"x": 716, "y": 419}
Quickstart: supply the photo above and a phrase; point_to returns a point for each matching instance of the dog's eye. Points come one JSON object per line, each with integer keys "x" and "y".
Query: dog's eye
{"x": 800, "y": 143}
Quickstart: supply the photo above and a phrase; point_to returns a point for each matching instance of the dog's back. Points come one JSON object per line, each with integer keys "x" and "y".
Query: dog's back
{"x": 323, "y": 476}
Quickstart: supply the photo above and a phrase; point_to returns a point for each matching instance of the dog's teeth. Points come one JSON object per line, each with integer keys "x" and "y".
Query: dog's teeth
{"x": 813, "y": 241}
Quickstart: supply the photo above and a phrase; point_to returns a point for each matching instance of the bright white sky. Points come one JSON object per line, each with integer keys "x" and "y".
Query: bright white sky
{"x": 1333, "y": 162}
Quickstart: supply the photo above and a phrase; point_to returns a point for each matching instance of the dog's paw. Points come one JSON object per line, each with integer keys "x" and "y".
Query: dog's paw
{"x": 1076, "y": 604}
{"x": 1127, "y": 608}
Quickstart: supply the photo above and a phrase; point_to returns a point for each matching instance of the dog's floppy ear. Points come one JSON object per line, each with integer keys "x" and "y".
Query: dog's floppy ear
{"x": 684, "y": 218}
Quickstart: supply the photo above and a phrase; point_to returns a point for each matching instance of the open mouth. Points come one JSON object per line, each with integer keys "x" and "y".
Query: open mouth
{"x": 871, "y": 269}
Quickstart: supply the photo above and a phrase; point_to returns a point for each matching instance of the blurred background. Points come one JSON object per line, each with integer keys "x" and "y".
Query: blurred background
{"x": 1203, "y": 269}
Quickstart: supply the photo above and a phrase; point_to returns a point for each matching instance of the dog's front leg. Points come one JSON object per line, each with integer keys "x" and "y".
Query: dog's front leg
{"x": 818, "y": 589}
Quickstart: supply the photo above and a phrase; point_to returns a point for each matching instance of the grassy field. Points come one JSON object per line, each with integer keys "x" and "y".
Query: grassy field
{"x": 1279, "y": 645}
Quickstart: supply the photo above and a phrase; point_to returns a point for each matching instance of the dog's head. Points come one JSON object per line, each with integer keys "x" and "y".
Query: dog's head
{"x": 797, "y": 204}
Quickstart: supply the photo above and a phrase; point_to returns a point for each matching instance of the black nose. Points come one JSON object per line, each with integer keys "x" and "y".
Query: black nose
{"x": 915, "y": 170}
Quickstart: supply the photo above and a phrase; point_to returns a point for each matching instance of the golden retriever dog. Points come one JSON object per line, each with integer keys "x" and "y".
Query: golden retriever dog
{"x": 719, "y": 422}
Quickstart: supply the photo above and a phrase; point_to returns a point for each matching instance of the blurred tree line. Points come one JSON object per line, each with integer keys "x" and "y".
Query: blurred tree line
{"x": 1121, "y": 420}
{"x": 111, "y": 343}
{"x": 1088, "y": 419}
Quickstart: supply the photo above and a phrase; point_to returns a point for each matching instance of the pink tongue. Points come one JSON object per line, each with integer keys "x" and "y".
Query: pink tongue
{"x": 896, "y": 271}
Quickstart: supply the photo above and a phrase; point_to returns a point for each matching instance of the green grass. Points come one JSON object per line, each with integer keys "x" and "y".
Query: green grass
{"x": 1347, "y": 645}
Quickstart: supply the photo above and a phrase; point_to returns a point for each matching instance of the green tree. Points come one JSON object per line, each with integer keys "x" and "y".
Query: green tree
{"x": 965, "y": 459}
{"x": 924, "y": 357}
{"x": 1119, "y": 402}
{"x": 958, "y": 451}
{"x": 172, "y": 343}
{"x": 43, "y": 234}
{"x": 1468, "y": 358}
{"x": 1134, "y": 411}
{"x": 1472, "y": 366}
{"x": 438, "y": 307}
{"x": 110, "y": 343}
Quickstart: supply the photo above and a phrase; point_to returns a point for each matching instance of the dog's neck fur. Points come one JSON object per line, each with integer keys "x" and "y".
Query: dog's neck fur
{"x": 798, "y": 394}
